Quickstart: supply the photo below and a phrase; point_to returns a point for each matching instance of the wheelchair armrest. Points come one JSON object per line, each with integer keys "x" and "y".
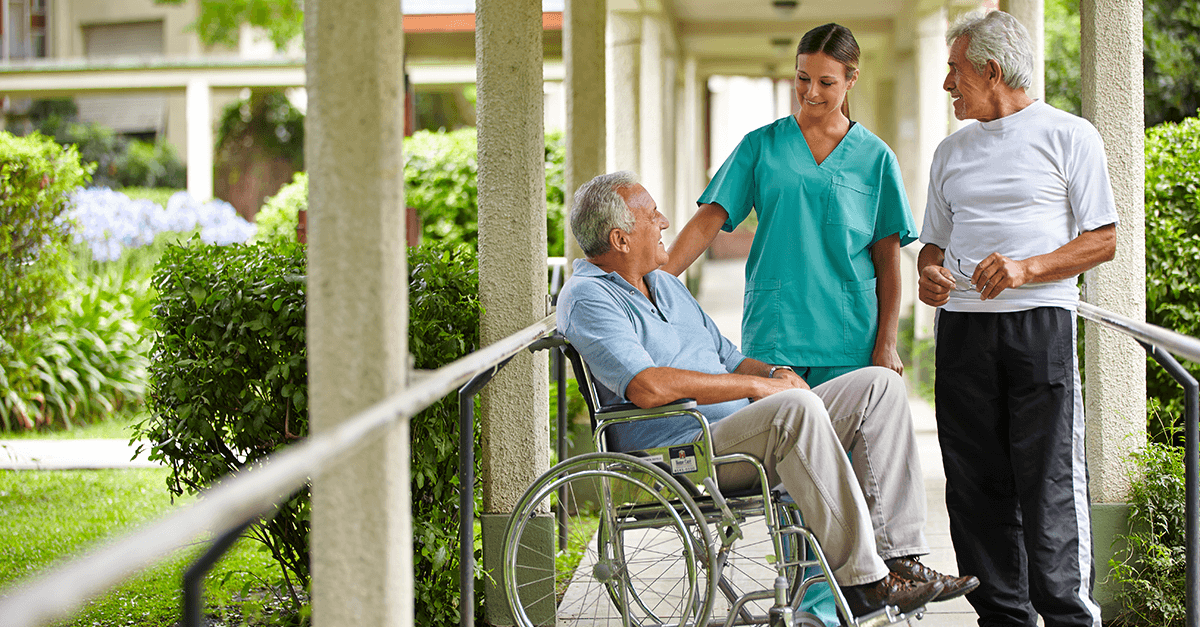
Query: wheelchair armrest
{"x": 628, "y": 410}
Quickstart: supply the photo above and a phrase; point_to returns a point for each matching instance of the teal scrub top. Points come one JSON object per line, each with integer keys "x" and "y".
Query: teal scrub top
{"x": 810, "y": 283}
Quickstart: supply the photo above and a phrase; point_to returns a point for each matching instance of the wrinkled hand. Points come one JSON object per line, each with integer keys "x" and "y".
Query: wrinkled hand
{"x": 933, "y": 288}
{"x": 887, "y": 357}
{"x": 998, "y": 273}
{"x": 783, "y": 380}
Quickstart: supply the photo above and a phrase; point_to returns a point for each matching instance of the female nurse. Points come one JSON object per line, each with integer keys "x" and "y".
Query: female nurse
{"x": 823, "y": 274}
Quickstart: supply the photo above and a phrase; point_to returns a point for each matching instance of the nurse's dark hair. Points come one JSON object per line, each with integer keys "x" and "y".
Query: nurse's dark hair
{"x": 598, "y": 209}
{"x": 836, "y": 41}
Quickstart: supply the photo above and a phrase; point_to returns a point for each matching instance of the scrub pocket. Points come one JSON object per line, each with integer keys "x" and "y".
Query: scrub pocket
{"x": 860, "y": 317}
{"x": 760, "y": 316}
{"x": 852, "y": 204}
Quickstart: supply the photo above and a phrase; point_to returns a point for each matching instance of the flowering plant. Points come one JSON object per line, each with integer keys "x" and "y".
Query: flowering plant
{"x": 109, "y": 221}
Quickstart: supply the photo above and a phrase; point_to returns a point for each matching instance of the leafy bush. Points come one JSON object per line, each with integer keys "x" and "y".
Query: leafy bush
{"x": 439, "y": 178}
{"x": 228, "y": 377}
{"x": 88, "y": 363}
{"x": 443, "y": 325}
{"x": 1152, "y": 570}
{"x": 1172, "y": 246}
{"x": 146, "y": 164}
{"x": 277, "y": 220}
{"x": 229, "y": 385}
{"x": 36, "y": 179}
{"x": 440, "y": 182}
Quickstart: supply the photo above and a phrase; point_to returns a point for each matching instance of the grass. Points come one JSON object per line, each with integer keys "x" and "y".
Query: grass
{"x": 119, "y": 426}
{"x": 48, "y": 515}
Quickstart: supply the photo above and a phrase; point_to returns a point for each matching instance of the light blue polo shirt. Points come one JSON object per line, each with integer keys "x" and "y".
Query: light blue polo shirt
{"x": 620, "y": 333}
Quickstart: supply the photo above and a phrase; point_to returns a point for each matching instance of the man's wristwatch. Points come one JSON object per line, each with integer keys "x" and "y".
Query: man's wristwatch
{"x": 771, "y": 372}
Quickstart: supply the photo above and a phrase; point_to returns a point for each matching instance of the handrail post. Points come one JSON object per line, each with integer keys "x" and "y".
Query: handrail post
{"x": 466, "y": 493}
{"x": 193, "y": 577}
{"x": 560, "y": 376}
{"x": 1191, "y": 468}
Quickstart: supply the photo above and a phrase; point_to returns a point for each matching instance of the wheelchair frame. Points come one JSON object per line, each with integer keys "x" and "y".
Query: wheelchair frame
{"x": 676, "y": 492}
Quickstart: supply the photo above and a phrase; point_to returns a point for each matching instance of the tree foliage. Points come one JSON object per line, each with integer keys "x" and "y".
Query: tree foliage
{"x": 219, "y": 21}
{"x": 1170, "y": 55}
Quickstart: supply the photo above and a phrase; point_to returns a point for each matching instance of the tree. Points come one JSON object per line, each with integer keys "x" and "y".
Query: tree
{"x": 1171, "y": 52}
{"x": 219, "y": 20}
{"x": 1171, "y": 37}
{"x": 1062, "y": 55}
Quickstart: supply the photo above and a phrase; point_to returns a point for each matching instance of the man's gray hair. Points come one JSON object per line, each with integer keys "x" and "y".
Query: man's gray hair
{"x": 998, "y": 36}
{"x": 598, "y": 209}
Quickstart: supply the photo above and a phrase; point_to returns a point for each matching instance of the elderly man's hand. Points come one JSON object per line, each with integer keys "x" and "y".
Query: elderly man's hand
{"x": 998, "y": 273}
{"x": 782, "y": 381}
{"x": 933, "y": 288}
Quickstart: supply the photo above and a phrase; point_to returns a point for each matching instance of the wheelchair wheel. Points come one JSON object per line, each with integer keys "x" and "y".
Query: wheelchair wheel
{"x": 637, "y": 548}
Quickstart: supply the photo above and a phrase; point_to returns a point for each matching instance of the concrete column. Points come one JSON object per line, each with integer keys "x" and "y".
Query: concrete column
{"x": 584, "y": 23}
{"x": 933, "y": 115}
{"x": 690, "y": 175}
{"x": 652, "y": 103}
{"x": 512, "y": 262}
{"x": 1111, "y": 54}
{"x": 1032, "y": 14}
{"x": 358, "y": 307}
{"x": 624, "y": 42}
{"x": 199, "y": 140}
{"x": 1115, "y": 365}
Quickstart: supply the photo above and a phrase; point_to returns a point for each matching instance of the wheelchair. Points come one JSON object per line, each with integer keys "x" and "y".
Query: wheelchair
{"x": 647, "y": 538}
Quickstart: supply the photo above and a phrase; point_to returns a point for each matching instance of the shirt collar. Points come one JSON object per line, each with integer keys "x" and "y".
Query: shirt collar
{"x": 585, "y": 268}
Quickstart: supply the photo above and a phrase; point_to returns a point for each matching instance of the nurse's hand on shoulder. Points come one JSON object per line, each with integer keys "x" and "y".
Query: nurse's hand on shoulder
{"x": 933, "y": 288}
{"x": 887, "y": 357}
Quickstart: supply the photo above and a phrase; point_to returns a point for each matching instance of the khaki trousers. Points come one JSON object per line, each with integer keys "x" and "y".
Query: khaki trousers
{"x": 863, "y": 511}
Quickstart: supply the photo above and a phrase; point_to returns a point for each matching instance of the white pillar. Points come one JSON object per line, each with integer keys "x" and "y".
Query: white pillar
{"x": 933, "y": 115}
{"x": 512, "y": 262}
{"x": 1032, "y": 15}
{"x": 624, "y": 41}
{"x": 358, "y": 328}
{"x": 651, "y": 103}
{"x": 199, "y": 140}
{"x": 583, "y": 59}
{"x": 1116, "y": 366}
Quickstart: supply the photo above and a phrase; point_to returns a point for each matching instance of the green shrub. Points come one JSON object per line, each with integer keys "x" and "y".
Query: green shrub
{"x": 444, "y": 313}
{"x": 88, "y": 363}
{"x": 440, "y": 182}
{"x": 146, "y": 164}
{"x": 229, "y": 385}
{"x": 1172, "y": 247}
{"x": 37, "y": 177}
{"x": 228, "y": 376}
{"x": 277, "y": 220}
{"x": 1151, "y": 570}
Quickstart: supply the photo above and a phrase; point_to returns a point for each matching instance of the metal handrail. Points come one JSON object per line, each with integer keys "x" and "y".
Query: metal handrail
{"x": 1157, "y": 341}
{"x": 236, "y": 499}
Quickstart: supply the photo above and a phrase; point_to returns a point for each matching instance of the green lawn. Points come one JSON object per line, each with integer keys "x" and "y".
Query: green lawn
{"x": 46, "y": 515}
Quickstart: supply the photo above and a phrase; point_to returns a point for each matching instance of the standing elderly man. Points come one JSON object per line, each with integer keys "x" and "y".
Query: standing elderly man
{"x": 647, "y": 340}
{"x": 1019, "y": 205}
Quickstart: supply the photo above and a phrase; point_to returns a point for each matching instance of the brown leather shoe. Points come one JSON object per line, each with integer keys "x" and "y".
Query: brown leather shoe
{"x": 891, "y": 590}
{"x": 912, "y": 569}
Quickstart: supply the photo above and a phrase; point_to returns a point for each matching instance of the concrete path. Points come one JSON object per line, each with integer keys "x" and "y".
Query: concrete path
{"x": 71, "y": 454}
{"x": 721, "y": 296}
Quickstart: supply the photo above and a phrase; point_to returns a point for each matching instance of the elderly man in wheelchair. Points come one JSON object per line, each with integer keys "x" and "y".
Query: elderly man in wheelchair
{"x": 712, "y": 462}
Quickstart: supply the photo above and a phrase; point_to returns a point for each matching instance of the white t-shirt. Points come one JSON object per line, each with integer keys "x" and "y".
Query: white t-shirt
{"x": 1023, "y": 185}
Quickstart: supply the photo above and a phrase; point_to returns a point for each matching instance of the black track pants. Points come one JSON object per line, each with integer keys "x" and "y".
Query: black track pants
{"x": 1010, "y": 424}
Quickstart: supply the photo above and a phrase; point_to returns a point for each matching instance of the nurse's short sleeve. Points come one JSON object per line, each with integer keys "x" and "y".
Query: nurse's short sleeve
{"x": 894, "y": 215}
{"x": 733, "y": 187}
{"x": 604, "y": 336}
{"x": 1088, "y": 186}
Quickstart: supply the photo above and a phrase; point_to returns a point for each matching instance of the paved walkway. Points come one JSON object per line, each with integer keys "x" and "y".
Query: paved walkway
{"x": 721, "y": 296}
{"x": 71, "y": 455}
